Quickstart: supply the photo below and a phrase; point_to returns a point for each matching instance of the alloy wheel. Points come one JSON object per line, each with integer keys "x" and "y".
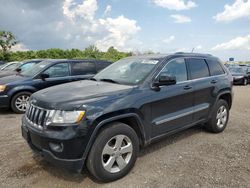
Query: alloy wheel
{"x": 117, "y": 153}
{"x": 21, "y": 102}
{"x": 221, "y": 116}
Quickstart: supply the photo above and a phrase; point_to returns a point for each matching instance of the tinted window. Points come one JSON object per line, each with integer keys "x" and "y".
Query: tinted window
{"x": 215, "y": 67}
{"x": 58, "y": 70}
{"x": 101, "y": 65}
{"x": 176, "y": 68}
{"x": 198, "y": 68}
{"x": 83, "y": 68}
{"x": 27, "y": 66}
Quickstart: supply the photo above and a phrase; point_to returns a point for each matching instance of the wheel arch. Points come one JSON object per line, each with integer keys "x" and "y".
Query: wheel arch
{"x": 131, "y": 119}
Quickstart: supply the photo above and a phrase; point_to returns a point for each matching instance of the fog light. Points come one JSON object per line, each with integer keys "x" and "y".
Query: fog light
{"x": 56, "y": 147}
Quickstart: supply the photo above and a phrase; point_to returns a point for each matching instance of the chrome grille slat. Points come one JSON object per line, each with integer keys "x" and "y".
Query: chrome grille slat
{"x": 37, "y": 116}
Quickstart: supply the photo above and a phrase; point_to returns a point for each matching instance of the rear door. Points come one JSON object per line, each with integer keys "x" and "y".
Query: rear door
{"x": 82, "y": 70}
{"x": 204, "y": 87}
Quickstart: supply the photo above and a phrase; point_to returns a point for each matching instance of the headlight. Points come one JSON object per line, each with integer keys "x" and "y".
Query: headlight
{"x": 2, "y": 88}
{"x": 65, "y": 117}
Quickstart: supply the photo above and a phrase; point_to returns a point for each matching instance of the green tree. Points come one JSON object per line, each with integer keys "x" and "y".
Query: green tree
{"x": 7, "y": 40}
{"x": 92, "y": 52}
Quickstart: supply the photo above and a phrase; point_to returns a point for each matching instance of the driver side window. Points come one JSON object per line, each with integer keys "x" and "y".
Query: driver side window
{"x": 177, "y": 68}
{"x": 58, "y": 70}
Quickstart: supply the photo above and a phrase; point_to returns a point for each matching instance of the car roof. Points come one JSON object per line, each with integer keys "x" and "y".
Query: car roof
{"x": 72, "y": 60}
{"x": 177, "y": 54}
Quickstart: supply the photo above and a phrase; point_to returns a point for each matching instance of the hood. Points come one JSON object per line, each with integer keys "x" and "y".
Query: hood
{"x": 13, "y": 79}
{"x": 7, "y": 73}
{"x": 77, "y": 93}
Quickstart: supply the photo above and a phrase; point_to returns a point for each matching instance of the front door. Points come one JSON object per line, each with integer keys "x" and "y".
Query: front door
{"x": 172, "y": 107}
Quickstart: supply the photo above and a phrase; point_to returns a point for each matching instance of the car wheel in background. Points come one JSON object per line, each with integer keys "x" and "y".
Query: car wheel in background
{"x": 20, "y": 101}
{"x": 245, "y": 82}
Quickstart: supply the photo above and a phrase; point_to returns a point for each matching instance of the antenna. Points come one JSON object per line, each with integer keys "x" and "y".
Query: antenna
{"x": 192, "y": 50}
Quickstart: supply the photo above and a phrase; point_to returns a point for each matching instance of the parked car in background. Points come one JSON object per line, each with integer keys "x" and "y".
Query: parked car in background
{"x": 15, "y": 90}
{"x": 2, "y": 63}
{"x": 22, "y": 66}
{"x": 241, "y": 75}
{"x": 10, "y": 66}
{"x": 104, "y": 121}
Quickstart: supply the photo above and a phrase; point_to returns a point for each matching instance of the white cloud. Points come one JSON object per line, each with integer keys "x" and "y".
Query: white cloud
{"x": 238, "y": 43}
{"x": 107, "y": 10}
{"x": 169, "y": 39}
{"x": 239, "y": 9}
{"x": 85, "y": 10}
{"x": 180, "y": 18}
{"x": 199, "y": 47}
{"x": 175, "y": 4}
{"x": 106, "y": 32}
{"x": 119, "y": 31}
{"x": 19, "y": 47}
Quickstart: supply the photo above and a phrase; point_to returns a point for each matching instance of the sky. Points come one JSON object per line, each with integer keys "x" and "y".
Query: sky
{"x": 218, "y": 27}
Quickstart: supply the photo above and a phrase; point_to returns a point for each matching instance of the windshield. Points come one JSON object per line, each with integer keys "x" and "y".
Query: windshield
{"x": 236, "y": 70}
{"x": 11, "y": 66}
{"x": 35, "y": 69}
{"x": 27, "y": 66}
{"x": 129, "y": 71}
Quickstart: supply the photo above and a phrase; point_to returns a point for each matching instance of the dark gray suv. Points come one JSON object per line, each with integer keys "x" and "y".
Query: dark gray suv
{"x": 104, "y": 121}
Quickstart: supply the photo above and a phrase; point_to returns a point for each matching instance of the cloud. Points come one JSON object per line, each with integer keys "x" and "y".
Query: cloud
{"x": 238, "y": 43}
{"x": 107, "y": 10}
{"x": 120, "y": 30}
{"x": 175, "y": 4}
{"x": 169, "y": 39}
{"x": 67, "y": 24}
{"x": 180, "y": 18}
{"x": 239, "y": 9}
{"x": 19, "y": 47}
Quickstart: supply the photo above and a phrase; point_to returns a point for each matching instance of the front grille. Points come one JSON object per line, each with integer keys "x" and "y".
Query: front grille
{"x": 37, "y": 116}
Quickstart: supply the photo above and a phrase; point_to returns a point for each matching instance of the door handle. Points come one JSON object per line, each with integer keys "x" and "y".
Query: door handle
{"x": 213, "y": 81}
{"x": 187, "y": 87}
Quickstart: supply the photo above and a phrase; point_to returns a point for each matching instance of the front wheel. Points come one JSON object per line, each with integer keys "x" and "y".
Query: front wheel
{"x": 220, "y": 116}
{"x": 113, "y": 153}
{"x": 20, "y": 101}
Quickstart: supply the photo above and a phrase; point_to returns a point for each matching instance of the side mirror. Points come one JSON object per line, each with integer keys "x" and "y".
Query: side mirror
{"x": 165, "y": 79}
{"x": 18, "y": 69}
{"x": 44, "y": 76}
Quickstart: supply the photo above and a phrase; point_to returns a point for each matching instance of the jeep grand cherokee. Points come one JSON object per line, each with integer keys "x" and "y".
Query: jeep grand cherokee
{"x": 104, "y": 121}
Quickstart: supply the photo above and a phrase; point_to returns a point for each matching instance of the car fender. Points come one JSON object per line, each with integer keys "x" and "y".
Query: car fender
{"x": 20, "y": 89}
{"x": 106, "y": 121}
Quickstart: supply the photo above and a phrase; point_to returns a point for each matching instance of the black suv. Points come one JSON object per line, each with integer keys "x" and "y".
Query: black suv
{"x": 104, "y": 121}
{"x": 15, "y": 90}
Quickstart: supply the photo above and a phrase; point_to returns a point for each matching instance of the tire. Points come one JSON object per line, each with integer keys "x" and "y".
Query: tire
{"x": 220, "y": 116}
{"x": 108, "y": 138}
{"x": 20, "y": 98}
{"x": 244, "y": 82}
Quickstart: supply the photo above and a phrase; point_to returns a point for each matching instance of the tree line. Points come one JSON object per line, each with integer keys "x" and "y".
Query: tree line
{"x": 8, "y": 40}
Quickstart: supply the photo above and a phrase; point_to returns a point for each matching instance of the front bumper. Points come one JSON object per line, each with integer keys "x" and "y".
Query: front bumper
{"x": 71, "y": 156}
{"x": 4, "y": 101}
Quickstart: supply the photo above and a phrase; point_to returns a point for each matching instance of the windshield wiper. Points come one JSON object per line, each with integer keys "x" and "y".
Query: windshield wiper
{"x": 109, "y": 80}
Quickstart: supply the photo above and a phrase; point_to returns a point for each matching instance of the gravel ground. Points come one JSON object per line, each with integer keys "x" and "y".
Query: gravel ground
{"x": 192, "y": 158}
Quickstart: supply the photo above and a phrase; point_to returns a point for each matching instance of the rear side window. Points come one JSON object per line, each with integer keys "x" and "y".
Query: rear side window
{"x": 83, "y": 68}
{"x": 215, "y": 67}
{"x": 198, "y": 68}
{"x": 101, "y": 65}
